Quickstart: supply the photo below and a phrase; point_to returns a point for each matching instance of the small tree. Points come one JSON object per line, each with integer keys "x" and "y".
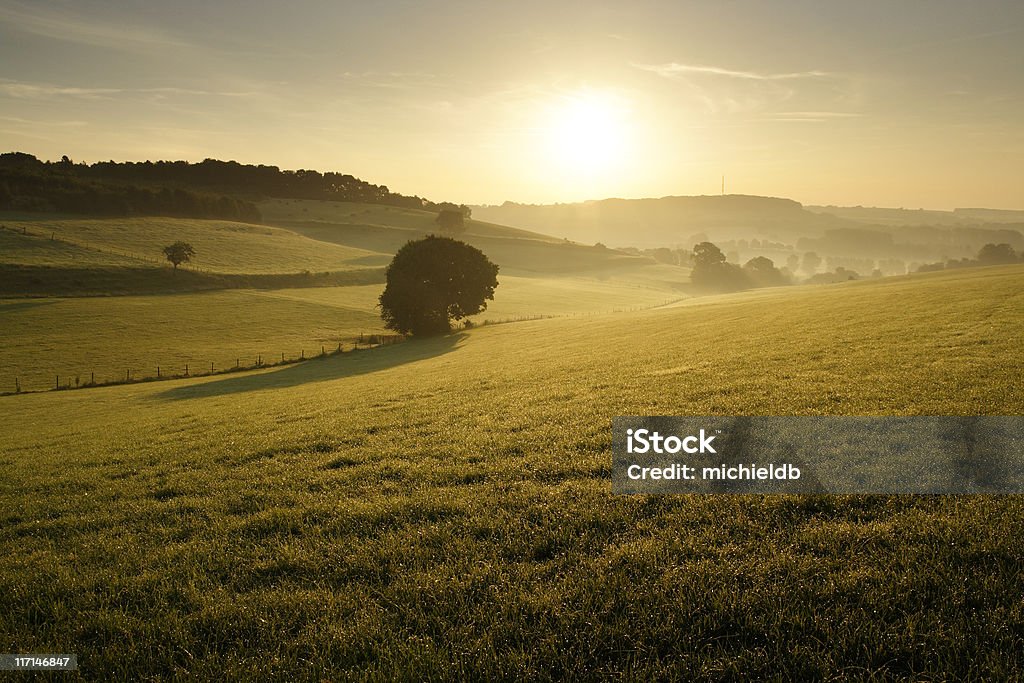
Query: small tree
{"x": 179, "y": 252}
{"x": 451, "y": 221}
{"x": 811, "y": 263}
{"x": 433, "y": 281}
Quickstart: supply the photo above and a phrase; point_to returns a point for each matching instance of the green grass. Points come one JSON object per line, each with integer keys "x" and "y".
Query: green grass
{"x": 384, "y": 230}
{"x": 221, "y": 246}
{"x": 108, "y": 336}
{"x": 441, "y": 509}
{"x": 75, "y": 337}
{"x": 378, "y": 215}
{"x": 39, "y": 250}
{"x": 523, "y": 297}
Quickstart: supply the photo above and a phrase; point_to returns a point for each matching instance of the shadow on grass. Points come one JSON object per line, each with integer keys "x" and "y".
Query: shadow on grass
{"x": 349, "y": 364}
{"x": 15, "y": 306}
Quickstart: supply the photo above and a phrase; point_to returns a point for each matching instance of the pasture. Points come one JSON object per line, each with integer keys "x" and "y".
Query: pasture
{"x": 441, "y": 508}
{"x": 221, "y": 246}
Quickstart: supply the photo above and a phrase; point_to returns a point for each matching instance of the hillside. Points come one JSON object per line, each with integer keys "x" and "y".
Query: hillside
{"x": 442, "y": 507}
{"x": 167, "y": 319}
{"x": 385, "y": 229}
{"x": 668, "y": 221}
{"x": 896, "y": 217}
{"x": 893, "y": 241}
{"x": 221, "y": 246}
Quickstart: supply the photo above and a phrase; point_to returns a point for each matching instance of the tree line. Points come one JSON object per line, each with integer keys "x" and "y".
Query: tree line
{"x": 27, "y": 184}
{"x": 988, "y": 255}
{"x": 104, "y": 186}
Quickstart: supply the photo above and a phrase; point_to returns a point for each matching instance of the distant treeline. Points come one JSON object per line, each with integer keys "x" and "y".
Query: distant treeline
{"x": 209, "y": 187}
{"x": 988, "y": 255}
{"x": 27, "y": 184}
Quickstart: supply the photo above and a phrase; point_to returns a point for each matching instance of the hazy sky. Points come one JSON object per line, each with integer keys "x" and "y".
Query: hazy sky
{"x": 914, "y": 104}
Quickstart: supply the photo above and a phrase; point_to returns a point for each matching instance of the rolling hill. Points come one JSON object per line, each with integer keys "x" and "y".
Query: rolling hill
{"x": 667, "y": 221}
{"x": 442, "y": 508}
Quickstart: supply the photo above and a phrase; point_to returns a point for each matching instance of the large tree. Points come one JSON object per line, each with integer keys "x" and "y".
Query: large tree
{"x": 433, "y": 281}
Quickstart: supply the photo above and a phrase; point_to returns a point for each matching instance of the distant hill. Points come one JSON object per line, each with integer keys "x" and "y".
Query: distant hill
{"x": 667, "y": 221}
{"x": 881, "y": 216}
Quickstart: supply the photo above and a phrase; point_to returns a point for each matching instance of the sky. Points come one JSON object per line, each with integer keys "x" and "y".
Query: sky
{"x": 915, "y": 104}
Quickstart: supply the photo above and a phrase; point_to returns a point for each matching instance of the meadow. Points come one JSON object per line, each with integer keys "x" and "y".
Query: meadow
{"x": 441, "y": 509}
{"x": 103, "y": 338}
{"x": 221, "y": 246}
{"x": 246, "y": 301}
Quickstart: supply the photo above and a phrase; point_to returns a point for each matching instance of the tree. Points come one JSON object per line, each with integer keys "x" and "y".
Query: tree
{"x": 707, "y": 254}
{"x": 711, "y": 270}
{"x": 179, "y": 252}
{"x": 433, "y": 281}
{"x": 451, "y": 221}
{"x": 811, "y": 263}
{"x": 763, "y": 273}
{"x": 994, "y": 254}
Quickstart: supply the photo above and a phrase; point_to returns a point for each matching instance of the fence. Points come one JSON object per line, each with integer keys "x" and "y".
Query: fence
{"x": 52, "y": 236}
{"x": 131, "y": 375}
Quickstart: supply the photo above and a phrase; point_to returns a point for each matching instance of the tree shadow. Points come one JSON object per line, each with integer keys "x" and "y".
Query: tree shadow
{"x": 9, "y": 306}
{"x": 328, "y": 368}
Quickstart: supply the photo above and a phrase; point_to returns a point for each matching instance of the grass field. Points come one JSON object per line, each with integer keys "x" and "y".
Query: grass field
{"x": 108, "y": 336}
{"x": 175, "y": 319}
{"x": 384, "y": 229}
{"x": 441, "y": 509}
{"x": 38, "y": 250}
{"x": 75, "y": 337}
{"x": 379, "y": 215}
{"x": 221, "y": 246}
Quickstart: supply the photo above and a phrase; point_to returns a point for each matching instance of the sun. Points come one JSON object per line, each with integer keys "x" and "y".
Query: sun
{"x": 586, "y": 132}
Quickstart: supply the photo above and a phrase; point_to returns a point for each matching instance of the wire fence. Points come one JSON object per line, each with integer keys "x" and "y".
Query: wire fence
{"x": 53, "y": 236}
{"x": 155, "y": 372}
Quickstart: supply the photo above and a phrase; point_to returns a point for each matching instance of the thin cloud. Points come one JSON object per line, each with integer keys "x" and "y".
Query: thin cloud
{"x": 60, "y": 26}
{"x": 23, "y": 90}
{"x": 675, "y": 70}
{"x": 800, "y": 116}
{"x": 27, "y": 91}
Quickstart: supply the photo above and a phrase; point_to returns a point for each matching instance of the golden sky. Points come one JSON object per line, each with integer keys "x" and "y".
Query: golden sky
{"x": 905, "y": 104}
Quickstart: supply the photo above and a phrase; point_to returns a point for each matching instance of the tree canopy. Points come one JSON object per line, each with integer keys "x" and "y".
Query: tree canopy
{"x": 179, "y": 252}
{"x": 452, "y": 221}
{"x": 433, "y": 281}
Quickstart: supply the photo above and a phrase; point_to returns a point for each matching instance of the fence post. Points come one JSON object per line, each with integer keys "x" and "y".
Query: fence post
{"x": 58, "y": 381}
{"x": 322, "y": 350}
{"x": 186, "y": 369}
{"x": 17, "y": 386}
{"x": 211, "y": 367}
{"x": 158, "y": 372}
{"x": 302, "y": 354}
{"x": 282, "y": 356}
{"x": 236, "y": 362}
{"x": 92, "y": 377}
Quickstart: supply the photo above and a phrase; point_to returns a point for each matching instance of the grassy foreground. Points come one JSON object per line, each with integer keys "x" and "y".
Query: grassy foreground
{"x": 441, "y": 509}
